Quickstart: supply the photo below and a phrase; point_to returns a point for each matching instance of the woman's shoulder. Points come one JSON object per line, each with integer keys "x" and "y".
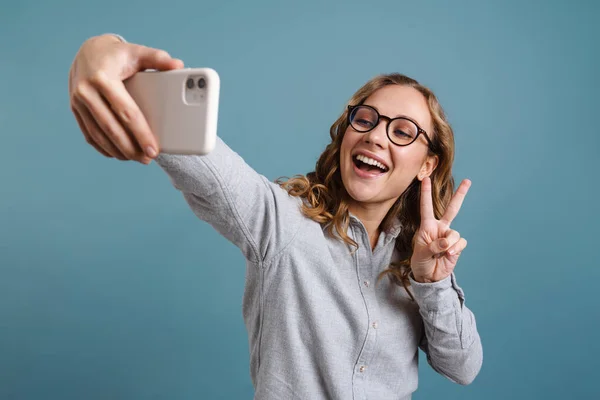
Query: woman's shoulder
{"x": 282, "y": 195}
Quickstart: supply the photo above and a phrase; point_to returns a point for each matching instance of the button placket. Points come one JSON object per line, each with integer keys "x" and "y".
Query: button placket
{"x": 365, "y": 268}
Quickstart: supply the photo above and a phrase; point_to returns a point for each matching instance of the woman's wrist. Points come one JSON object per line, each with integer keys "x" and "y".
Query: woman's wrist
{"x": 114, "y": 36}
{"x": 421, "y": 280}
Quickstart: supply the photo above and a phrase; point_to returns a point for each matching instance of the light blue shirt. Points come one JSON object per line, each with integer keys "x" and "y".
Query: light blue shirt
{"x": 319, "y": 325}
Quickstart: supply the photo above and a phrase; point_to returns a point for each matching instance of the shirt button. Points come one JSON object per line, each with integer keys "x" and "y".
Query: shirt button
{"x": 375, "y": 325}
{"x": 362, "y": 368}
{"x": 366, "y": 283}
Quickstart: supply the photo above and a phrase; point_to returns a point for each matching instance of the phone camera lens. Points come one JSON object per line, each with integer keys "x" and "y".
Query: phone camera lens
{"x": 201, "y": 83}
{"x": 190, "y": 83}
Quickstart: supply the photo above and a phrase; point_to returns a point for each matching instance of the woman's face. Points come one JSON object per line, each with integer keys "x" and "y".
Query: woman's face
{"x": 373, "y": 186}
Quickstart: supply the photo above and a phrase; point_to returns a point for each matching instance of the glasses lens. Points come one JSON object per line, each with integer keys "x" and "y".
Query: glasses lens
{"x": 363, "y": 119}
{"x": 402, "y": 131}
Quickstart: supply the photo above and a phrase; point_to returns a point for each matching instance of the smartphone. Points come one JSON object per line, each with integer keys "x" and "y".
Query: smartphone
{"x": 181, "y": 107}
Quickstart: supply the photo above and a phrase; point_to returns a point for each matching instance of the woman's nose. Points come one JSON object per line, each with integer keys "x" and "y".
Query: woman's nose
{"x": 378, "y": 135}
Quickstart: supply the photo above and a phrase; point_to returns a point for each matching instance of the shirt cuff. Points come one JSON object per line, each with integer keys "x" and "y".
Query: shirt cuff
{"x": 437, "y": 295}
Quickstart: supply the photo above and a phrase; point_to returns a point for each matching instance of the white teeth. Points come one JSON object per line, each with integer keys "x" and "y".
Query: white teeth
{"x": 370, "y": 161}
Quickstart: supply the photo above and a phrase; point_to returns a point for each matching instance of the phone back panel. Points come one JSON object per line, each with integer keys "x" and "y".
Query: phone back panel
{"x": 183, "y": 118}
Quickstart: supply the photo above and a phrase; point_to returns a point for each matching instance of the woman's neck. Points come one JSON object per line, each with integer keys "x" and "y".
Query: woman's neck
{"x": 371, "y": 216}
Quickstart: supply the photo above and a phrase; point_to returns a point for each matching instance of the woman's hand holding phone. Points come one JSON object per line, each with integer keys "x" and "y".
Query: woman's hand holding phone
{"x": 108, "y": 117}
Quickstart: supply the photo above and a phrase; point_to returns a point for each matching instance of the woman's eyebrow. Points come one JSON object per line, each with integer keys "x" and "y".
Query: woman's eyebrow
{"x": 397, "y": 116}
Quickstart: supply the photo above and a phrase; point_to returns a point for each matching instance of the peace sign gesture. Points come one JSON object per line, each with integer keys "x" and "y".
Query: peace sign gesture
{"x": 437, "y": 246}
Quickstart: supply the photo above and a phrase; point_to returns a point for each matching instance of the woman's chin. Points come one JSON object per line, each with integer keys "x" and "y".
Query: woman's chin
{"x": 361, "y": 194}
{"x": 363, "y": 190}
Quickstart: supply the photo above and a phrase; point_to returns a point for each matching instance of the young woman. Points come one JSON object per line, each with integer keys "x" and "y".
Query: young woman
{"x": 349, "y": 268}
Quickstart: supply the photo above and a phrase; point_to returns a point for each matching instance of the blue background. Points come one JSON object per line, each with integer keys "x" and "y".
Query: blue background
{"x": 111, "y": 288}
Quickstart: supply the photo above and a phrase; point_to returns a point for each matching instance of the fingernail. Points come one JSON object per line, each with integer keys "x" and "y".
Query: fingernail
{"x": 443, "y": 243}
{"x": 150, "y": 151}
{"x": 452, "y": 252}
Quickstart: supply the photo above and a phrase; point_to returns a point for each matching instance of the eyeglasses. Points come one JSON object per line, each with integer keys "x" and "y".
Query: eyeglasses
{"x": 401, "y": 131}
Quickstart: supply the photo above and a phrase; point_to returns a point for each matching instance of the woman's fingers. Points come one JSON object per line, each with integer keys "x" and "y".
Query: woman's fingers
{"x": 107, "y": 123}
{"x": 457, "y": 248}
{"x": 426, "y": 200}
{"x": 456, "y": 202}
{"x": 440, "y": 245}
{"x": 93, "y": 134}
{"x": 129, "y": 115}
{"x": 151, "y": 58}
{"x": 86, "y": 135}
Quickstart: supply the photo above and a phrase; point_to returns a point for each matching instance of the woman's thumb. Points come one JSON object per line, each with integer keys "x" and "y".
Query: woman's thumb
{"x": 438, "y": 246}
{"x": 149, "y": 58}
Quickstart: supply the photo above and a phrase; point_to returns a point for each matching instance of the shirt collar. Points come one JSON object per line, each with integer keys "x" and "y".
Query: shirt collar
{"x": 391, "y": 233}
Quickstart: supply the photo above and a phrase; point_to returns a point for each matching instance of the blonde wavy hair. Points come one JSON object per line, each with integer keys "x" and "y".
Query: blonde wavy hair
{"x": 326, "y": 199}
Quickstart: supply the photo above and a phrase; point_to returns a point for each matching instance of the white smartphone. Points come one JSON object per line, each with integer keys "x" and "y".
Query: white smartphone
{"x": 181, "y": 107}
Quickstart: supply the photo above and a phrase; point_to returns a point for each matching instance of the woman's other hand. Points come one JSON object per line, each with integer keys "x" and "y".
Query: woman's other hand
{"x": 437, "y": 246}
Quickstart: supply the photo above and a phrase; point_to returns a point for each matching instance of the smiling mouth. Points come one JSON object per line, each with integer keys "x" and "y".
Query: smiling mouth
{"x": 368, "y": 165}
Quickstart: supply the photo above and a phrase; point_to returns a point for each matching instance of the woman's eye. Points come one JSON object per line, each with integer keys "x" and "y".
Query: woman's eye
{"x": 403, "y": 134}
{"x": 364, "y": 122}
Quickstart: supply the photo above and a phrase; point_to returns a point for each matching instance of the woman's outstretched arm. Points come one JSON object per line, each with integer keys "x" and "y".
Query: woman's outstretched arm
{"x": 253, "y": 213}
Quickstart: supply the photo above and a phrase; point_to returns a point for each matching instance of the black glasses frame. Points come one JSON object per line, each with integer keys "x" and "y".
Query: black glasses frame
{"x": 389, "y": 121}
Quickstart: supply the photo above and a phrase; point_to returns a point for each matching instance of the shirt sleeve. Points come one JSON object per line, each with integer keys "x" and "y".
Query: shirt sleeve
{"x": 256, "y": 215}
{"x": 253, "y": 213}
{"x": 451, "y": 341}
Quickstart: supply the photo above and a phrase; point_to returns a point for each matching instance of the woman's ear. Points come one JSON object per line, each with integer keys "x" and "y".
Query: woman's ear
{"x": 428, "y": 167}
